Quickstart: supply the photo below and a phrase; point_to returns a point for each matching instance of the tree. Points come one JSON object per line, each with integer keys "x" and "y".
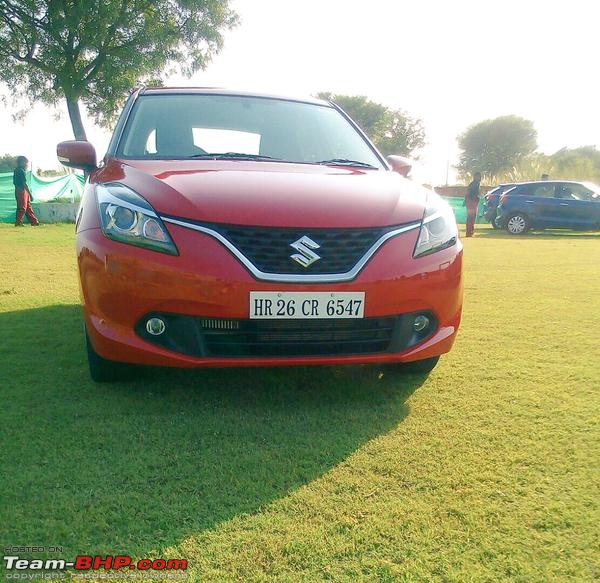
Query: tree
{"x": 95, "y": 51}
{"x": 392, "y": 131}
{"x": 496, "y": 145}
{"x": 581, "y": 163}
{"x": 8, "y": 163}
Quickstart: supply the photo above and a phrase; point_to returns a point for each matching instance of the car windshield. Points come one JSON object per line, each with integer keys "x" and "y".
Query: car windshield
{"x": 594, "y": 188}
{"x": 176, "y": 126}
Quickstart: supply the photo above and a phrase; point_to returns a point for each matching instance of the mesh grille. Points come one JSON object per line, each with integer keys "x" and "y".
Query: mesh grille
{"x": 300, "y": 337}
{"x": 269, "y": 248}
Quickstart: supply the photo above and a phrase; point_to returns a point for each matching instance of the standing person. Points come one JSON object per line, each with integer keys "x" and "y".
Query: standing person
{"x": 23, "y": 194}
{"x": 472, "y": 202}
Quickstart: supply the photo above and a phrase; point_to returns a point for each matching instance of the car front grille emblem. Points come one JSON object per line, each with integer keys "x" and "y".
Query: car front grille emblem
{"x": 305, "y": 256}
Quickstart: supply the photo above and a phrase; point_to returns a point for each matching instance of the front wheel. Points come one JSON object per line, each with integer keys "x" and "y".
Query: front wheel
{"x": 517, "y": 224}
{"x": 103, "y": 370}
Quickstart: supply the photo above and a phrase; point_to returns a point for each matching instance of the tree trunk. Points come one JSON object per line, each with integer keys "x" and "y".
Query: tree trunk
{"x": 75, "y": 116}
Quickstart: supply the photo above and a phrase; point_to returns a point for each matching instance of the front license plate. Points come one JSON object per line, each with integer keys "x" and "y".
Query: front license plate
{"x": 306, "y": 305}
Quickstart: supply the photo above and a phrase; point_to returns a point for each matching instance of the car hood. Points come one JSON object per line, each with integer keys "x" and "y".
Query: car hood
{"x": 270, "y": 193}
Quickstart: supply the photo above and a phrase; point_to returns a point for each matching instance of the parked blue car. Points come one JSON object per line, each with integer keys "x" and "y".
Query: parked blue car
{"x": 491, "y": 200}
{"x": 549, "y": 205}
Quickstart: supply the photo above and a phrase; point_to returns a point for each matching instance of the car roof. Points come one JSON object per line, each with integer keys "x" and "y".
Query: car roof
{"x": 548, "y": 182}
{"x": 231, "y": 92}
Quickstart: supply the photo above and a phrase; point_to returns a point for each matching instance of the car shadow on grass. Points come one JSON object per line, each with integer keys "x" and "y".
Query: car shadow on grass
{"x": 133, "y": 467}
{"x": 545, "y": 234}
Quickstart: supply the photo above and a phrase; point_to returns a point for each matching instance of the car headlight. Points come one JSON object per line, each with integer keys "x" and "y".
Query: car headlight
{"x": 438, "y": 229}
{"x": 126, "y": 217}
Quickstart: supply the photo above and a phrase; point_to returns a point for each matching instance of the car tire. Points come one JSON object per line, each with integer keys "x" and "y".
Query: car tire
{"x": 103, "y": 370}
{"x": 418, "y": 366}
{"x": 517, "y": 224}
{"x": 494, "y": 222}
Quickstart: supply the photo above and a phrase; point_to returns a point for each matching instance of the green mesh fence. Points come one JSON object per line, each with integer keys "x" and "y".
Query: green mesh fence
{"x": 70, "y": 187}
{"x": 460, "y": 211}
{"x": 66, "y": 188}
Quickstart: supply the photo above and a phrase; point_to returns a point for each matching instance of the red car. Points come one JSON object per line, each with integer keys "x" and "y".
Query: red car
{"x": 235, "y": 229}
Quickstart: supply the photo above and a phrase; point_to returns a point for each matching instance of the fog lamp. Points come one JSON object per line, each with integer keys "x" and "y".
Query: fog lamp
{"x": 155, "y": 326}
{"x": 421, "y": 322}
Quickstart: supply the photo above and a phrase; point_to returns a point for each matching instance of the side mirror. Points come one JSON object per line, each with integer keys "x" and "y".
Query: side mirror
{"x": 77, "y": 154}
{"x": 400, "y": 164}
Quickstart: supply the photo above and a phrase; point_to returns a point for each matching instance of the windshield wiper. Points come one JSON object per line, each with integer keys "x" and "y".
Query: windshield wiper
{"x": 233, "y": 156}
{"x": 259, "y": 157}
{"x": 346, "y": 162}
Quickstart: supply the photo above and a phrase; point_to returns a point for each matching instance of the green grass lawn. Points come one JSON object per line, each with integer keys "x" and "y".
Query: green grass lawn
{"x": 487, "y": 470}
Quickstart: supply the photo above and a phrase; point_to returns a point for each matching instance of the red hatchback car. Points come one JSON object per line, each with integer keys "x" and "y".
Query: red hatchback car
{"x": 235, "y": 229}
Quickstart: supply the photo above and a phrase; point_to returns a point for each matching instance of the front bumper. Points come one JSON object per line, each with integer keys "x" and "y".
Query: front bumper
{"x": 121, "y": 285}
{"x": 501, "y": 218}
{"x": 489, "y": 213}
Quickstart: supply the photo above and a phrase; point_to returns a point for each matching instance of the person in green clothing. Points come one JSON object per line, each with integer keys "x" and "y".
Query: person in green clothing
{"x": 23, "y": 194}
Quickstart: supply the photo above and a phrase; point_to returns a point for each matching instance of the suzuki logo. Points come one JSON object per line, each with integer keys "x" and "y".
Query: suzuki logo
{"x": 306, "y": 256}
